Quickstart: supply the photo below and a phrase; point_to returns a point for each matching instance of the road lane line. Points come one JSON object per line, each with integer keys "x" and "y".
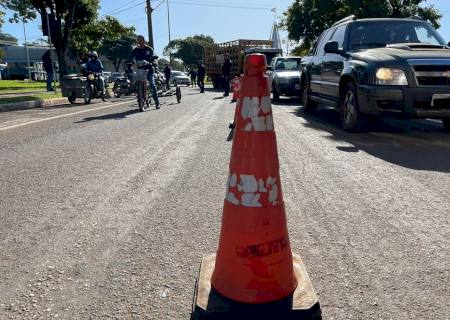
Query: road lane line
{"x": 62, "y": 116}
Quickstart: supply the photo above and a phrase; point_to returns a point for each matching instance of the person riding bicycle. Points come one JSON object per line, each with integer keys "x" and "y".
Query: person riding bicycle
{"x": 145, "y": 53}
{"x": 94, "y": 65}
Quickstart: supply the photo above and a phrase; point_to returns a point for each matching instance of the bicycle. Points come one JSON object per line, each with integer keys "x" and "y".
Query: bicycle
{"x": 142, "y": 89}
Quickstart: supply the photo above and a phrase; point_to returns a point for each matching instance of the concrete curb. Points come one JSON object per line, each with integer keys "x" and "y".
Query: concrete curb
{"x": 33, "y": 104}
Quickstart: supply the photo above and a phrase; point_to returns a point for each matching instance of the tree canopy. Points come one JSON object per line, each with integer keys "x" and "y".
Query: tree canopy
{"x": 189, "y": 50}
{"x": 118, "y": 49}
{"x": 66, "y": 18}
{"x": 99, "y": 35}
{"x": 5, "y": 36}
{"x": 305, "y": 20}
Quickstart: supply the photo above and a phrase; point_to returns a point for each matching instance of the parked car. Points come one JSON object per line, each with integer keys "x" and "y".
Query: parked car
{"x": 180, "y": 78}
{"x": 379, "y": 67}
{"x": 284, "y": 74}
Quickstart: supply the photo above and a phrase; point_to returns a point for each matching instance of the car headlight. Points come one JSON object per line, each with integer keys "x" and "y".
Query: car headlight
{"x": 391, "y": 77}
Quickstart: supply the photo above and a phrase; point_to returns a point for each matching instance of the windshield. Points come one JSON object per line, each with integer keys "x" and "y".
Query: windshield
{"x": 287, "y": 64}
{"x": 381, "y": 33}
{"x": 178, "y": 73}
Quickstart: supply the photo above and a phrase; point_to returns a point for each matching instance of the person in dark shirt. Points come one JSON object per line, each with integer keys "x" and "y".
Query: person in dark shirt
{"x": 167, "y": 74}
{"x": 226, "y": 72}
{"x": 96, "y": 66}
{"x": 48, "y": 67}
{"x": 144, "y": 52}
{"x": 193, "y": 77}
{"x": 201, "y": 73}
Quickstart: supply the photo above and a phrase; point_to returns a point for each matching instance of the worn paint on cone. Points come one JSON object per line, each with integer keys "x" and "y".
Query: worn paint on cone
{"x": 254, "y": 260}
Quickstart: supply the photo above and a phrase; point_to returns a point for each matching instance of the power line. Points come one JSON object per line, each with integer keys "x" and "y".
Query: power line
{"x": 217, "y": 5}
{"x": 158, "y": 5}
{"x": 127, "y": 8}
{"x": 121, "y": 7}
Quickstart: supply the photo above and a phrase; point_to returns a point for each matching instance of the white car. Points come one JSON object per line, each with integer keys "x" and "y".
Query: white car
{"x": 180, "y": 78}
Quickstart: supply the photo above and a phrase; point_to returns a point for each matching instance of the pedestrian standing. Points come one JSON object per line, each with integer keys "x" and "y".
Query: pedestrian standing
{"x": 168, "y": 74}
{"x": 201, "y": 73}
{"x": 226, "y": 72}
{"x": 48, "y": 67}
{"x": 193, "y": 77}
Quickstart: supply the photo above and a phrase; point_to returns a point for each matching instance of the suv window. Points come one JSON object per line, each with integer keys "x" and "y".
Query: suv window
{"x": 381, "y": 33}
{"x": 325, "y": 38}
{"x": 339, "y": 35}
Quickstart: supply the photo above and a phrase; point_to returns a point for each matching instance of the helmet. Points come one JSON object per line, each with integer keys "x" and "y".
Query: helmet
{"x": 93, "y": 54}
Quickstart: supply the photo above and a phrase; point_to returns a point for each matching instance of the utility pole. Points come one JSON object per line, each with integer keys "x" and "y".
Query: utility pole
{"x": 168, "y": 25}
{"x": 50, "y": 44}
{"x": 26, "y": 48}
{"x": 150, "y": 26}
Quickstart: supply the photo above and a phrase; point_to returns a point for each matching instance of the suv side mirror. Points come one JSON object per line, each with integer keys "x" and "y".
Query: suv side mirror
{"x": 332, "y": 47}
{"x": 269, "y": 68}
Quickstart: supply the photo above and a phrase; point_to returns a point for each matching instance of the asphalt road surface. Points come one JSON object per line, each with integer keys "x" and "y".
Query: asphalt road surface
{"x": 106, "y": 212}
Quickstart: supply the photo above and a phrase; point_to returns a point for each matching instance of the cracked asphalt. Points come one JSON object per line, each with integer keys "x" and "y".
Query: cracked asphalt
{"x": 106, "y": 212}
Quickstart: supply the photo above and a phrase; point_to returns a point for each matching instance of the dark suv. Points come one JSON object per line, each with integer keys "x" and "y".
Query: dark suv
{"x": 373, "y": 67}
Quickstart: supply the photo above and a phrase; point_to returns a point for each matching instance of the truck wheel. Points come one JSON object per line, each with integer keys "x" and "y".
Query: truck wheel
{"x": 308, "y": 104}
{"x": 351, "y": 119}
{"x": 446, "y": 122}
{"x": 276, "y": 94}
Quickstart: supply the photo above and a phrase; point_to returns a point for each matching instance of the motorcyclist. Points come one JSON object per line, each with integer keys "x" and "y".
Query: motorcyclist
{"x": 168, "y": 74}
{"x": 94, "y": 65}
{"x": 144, "y": 52}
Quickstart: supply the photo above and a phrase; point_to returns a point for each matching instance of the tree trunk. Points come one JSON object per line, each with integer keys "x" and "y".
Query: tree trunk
{"x": 117, "y": 65}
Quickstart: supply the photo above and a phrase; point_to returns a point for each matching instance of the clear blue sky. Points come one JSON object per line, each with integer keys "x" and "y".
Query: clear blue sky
{"x": 223, "y": 20}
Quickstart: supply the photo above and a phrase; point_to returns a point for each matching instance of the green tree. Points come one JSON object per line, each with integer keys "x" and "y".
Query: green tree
{"x": 4, "y": 36}
{"x": 118, "y": 49}
{"x": 305, "y": 20}
{"x": 189, "y": 50}
{"x": 67, "y": 17}
{"x": 97, "y": 34}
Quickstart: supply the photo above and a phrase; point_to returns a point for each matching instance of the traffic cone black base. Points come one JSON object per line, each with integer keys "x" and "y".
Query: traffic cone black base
{"x": 208, "y": 304}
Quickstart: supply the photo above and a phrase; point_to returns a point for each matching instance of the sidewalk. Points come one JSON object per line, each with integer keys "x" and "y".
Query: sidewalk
{"x": 19, "y": 94}
{"x": 33, "y": 104}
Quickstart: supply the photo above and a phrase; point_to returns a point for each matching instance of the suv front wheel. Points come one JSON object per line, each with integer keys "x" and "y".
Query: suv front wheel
{"x": 351, "y": 119}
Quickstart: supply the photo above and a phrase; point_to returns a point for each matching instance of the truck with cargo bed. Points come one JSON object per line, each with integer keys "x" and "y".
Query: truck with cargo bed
{"x": 237, "y": 50}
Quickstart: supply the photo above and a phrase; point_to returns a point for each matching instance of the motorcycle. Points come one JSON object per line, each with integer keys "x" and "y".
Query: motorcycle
{"x": 92, "y": 89}
{"x": 123, "y": 86}
{"x": 160, "y": 81}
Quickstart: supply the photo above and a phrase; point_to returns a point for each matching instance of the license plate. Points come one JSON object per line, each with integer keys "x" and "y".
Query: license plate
{"x": 437, "y": 97}
{"x": 297, "y": 87}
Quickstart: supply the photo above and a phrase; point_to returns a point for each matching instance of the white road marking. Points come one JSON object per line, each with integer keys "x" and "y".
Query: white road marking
{"x": 61, "y": 116}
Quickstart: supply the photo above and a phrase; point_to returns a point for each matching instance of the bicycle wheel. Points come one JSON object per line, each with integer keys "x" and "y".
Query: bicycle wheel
{"x": 141, "y": 92}
{"x": 178, "y": 90}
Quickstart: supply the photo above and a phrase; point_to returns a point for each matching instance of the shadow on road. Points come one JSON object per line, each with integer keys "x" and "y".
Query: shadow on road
{"x": 113, "y": 116}
{"x": 413, "y": 144}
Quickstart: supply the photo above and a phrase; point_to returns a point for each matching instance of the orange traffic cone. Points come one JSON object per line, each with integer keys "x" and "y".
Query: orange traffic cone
{"x": 236, "y": 97}
{"x": 254, "y": 272}
{"x": 233, "y": 88}
{"x": 236, "y": 84}
{"x": 254, "y": 260}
